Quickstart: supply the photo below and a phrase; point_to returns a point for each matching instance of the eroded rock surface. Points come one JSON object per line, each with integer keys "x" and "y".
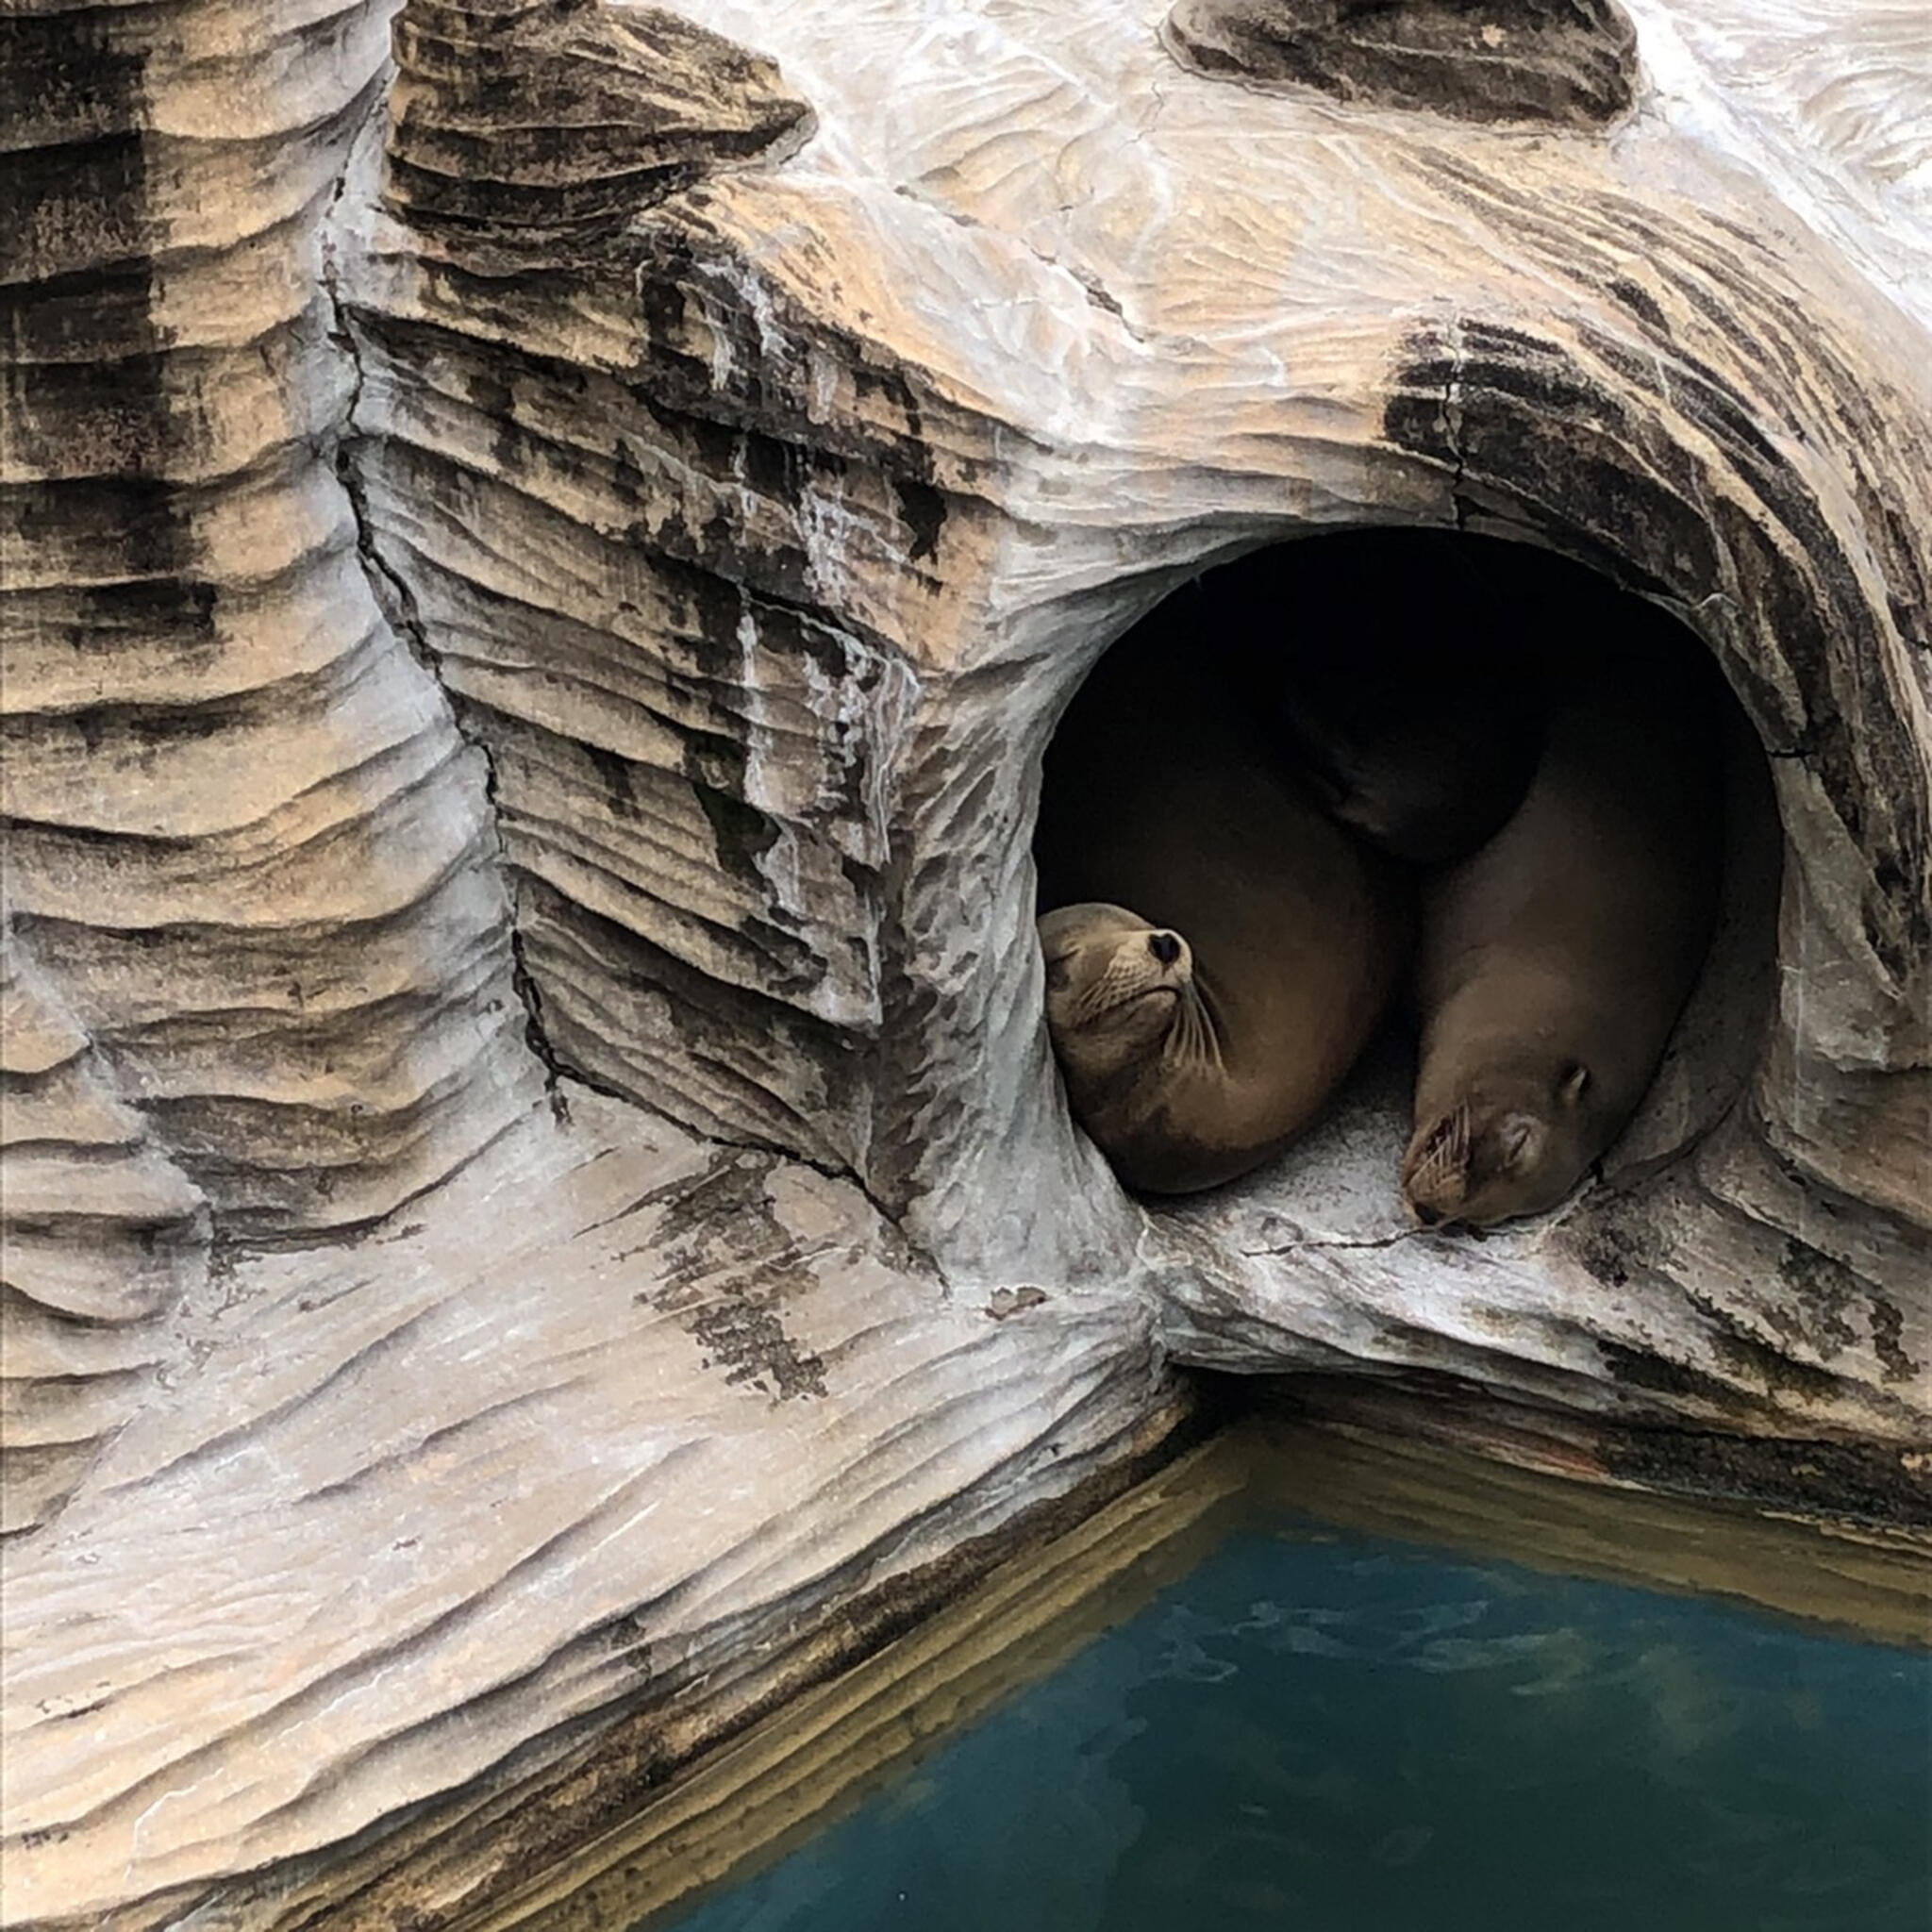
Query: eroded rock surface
{"x": 246, "y": 847}
{"x": 612, "y": 1454}
{"x": 554, "y": 558}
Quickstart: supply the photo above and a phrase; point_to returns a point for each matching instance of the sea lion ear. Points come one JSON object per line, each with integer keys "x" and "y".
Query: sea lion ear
{"x": 1573, "y": 1084}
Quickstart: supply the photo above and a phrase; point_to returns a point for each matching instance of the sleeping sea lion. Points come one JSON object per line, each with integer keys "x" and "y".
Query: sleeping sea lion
{"x": 1216, "y": 952}
{"x": 1552, "y": 963}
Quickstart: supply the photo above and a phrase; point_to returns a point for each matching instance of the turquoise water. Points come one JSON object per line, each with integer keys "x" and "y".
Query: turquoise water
{"x": 1315, "y": 1732}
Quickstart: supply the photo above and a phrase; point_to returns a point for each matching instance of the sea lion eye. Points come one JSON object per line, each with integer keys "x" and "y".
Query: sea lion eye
{"x": 1516, "y": 1137}
{"x": 1059, "y": 970}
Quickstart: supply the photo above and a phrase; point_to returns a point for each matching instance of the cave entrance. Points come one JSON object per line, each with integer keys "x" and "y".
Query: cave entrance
{"x": 1349, "y": 662}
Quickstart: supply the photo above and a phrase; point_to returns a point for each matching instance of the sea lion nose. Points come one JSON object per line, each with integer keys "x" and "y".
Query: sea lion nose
{"x": 1429, "y": 1217}
{"x": 1164, "y": 947}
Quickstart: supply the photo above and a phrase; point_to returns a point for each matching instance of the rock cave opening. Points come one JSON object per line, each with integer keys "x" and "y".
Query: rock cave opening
{"x": 1350, "y": 660}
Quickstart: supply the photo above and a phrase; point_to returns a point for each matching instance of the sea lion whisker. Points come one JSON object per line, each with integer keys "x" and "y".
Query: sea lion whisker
{"x": 1439, "y": 1162}
{"x": 1195, "y": 1037}
{"x": 1109, "y": 994}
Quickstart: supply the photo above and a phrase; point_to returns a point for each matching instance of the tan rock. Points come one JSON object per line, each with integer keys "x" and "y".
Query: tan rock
{"x": 555, "y": 560}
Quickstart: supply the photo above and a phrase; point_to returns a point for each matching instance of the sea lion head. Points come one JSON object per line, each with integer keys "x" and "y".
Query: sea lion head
{"x": 1517, "y": 1145}
{"x": 1116, "y": 990}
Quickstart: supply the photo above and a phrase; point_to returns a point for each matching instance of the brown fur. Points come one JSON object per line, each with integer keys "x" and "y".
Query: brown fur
{"x": 1164, "y": 812}
{"x": 1554, "y": 961}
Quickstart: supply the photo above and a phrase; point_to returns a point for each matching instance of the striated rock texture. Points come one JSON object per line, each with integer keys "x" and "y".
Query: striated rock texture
{"x": 250, "y": 864}
{"x": 437, "y": 1510}
{"x": 104, "y": 1234}
{"x": 544, "y": 551}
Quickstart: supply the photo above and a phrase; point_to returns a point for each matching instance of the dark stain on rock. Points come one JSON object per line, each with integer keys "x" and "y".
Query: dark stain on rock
{"x": 1753, "y": 1361}
{"x": 64, "y": 79}
{"x": 715, "y": 449}
{"x": 1834, "y": 1481}
{"x": 1571, "y": 63}
{"x": 661, "y": 272}
{"x": 540, "y": 135}
{"x": 80, "y": 218}
{"x": 1527, "y": 425}
{"x": 80, "y": 214}
{"x": 83, "y": 315}
{"x": 801, "y": 629}
{"x": 741, "y": 833}
{"x": 728, "y": 1266}
{"x": 1888, "y": 1328}
{"x": 779, "y": 1075}
{"x": 713, "y": 608}
{"x": 486, "y": 386}
{"x": 1610, "y": 1249}
{"x": 1824, "y": 1289}
{"x": 782, "y": 571}
{"x": 713, "y": 757}
{"x": 922, "y": 511}
{"x": 772, "y": 467}
{"x": 1636, "y": 1368}
{"x": 615, "y": 771}
{"x": 753, "y": 1341}
{"x": 175, "y": 610}
{"x": 1639, "y": 302}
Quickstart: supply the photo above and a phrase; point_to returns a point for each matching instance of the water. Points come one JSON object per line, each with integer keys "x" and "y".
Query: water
{"x": 1321, "y": 1731}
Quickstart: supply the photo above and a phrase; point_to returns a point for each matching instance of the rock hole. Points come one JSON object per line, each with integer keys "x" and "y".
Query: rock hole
{"x": 1356, "y": 664}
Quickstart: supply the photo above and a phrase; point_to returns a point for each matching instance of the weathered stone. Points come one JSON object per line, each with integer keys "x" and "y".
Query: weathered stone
{"x": 537, "y": 128}
{"x": 555, "y": 563}
{"x": 247, "y": 848}
{"x": 486, "y": 1477}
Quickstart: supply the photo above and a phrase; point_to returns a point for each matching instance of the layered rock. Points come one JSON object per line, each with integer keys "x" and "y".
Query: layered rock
{"x": 245, "y": 842}
{"x": 432, "y": 1513}
{"x": 555, "y": 563}
{"x": 103, "y": 1236}
{"x": 248, "y": 854}
{"x": 1572, "y": 62}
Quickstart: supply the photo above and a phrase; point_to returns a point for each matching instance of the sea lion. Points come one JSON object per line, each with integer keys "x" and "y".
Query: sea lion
{"x": 1405, "y": 673}
{"x": 1552, "y": 963}
{"x": 1216, "y": 952}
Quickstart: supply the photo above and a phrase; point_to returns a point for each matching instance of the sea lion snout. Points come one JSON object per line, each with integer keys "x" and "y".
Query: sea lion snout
{"x": 1486, "y": 1162}
{"x": 1115, "y": 991}
{"x": 1555, "y": 959}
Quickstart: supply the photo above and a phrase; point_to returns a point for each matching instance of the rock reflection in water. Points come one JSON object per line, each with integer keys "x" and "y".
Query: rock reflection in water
{"x": 1340, "y": 1733}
